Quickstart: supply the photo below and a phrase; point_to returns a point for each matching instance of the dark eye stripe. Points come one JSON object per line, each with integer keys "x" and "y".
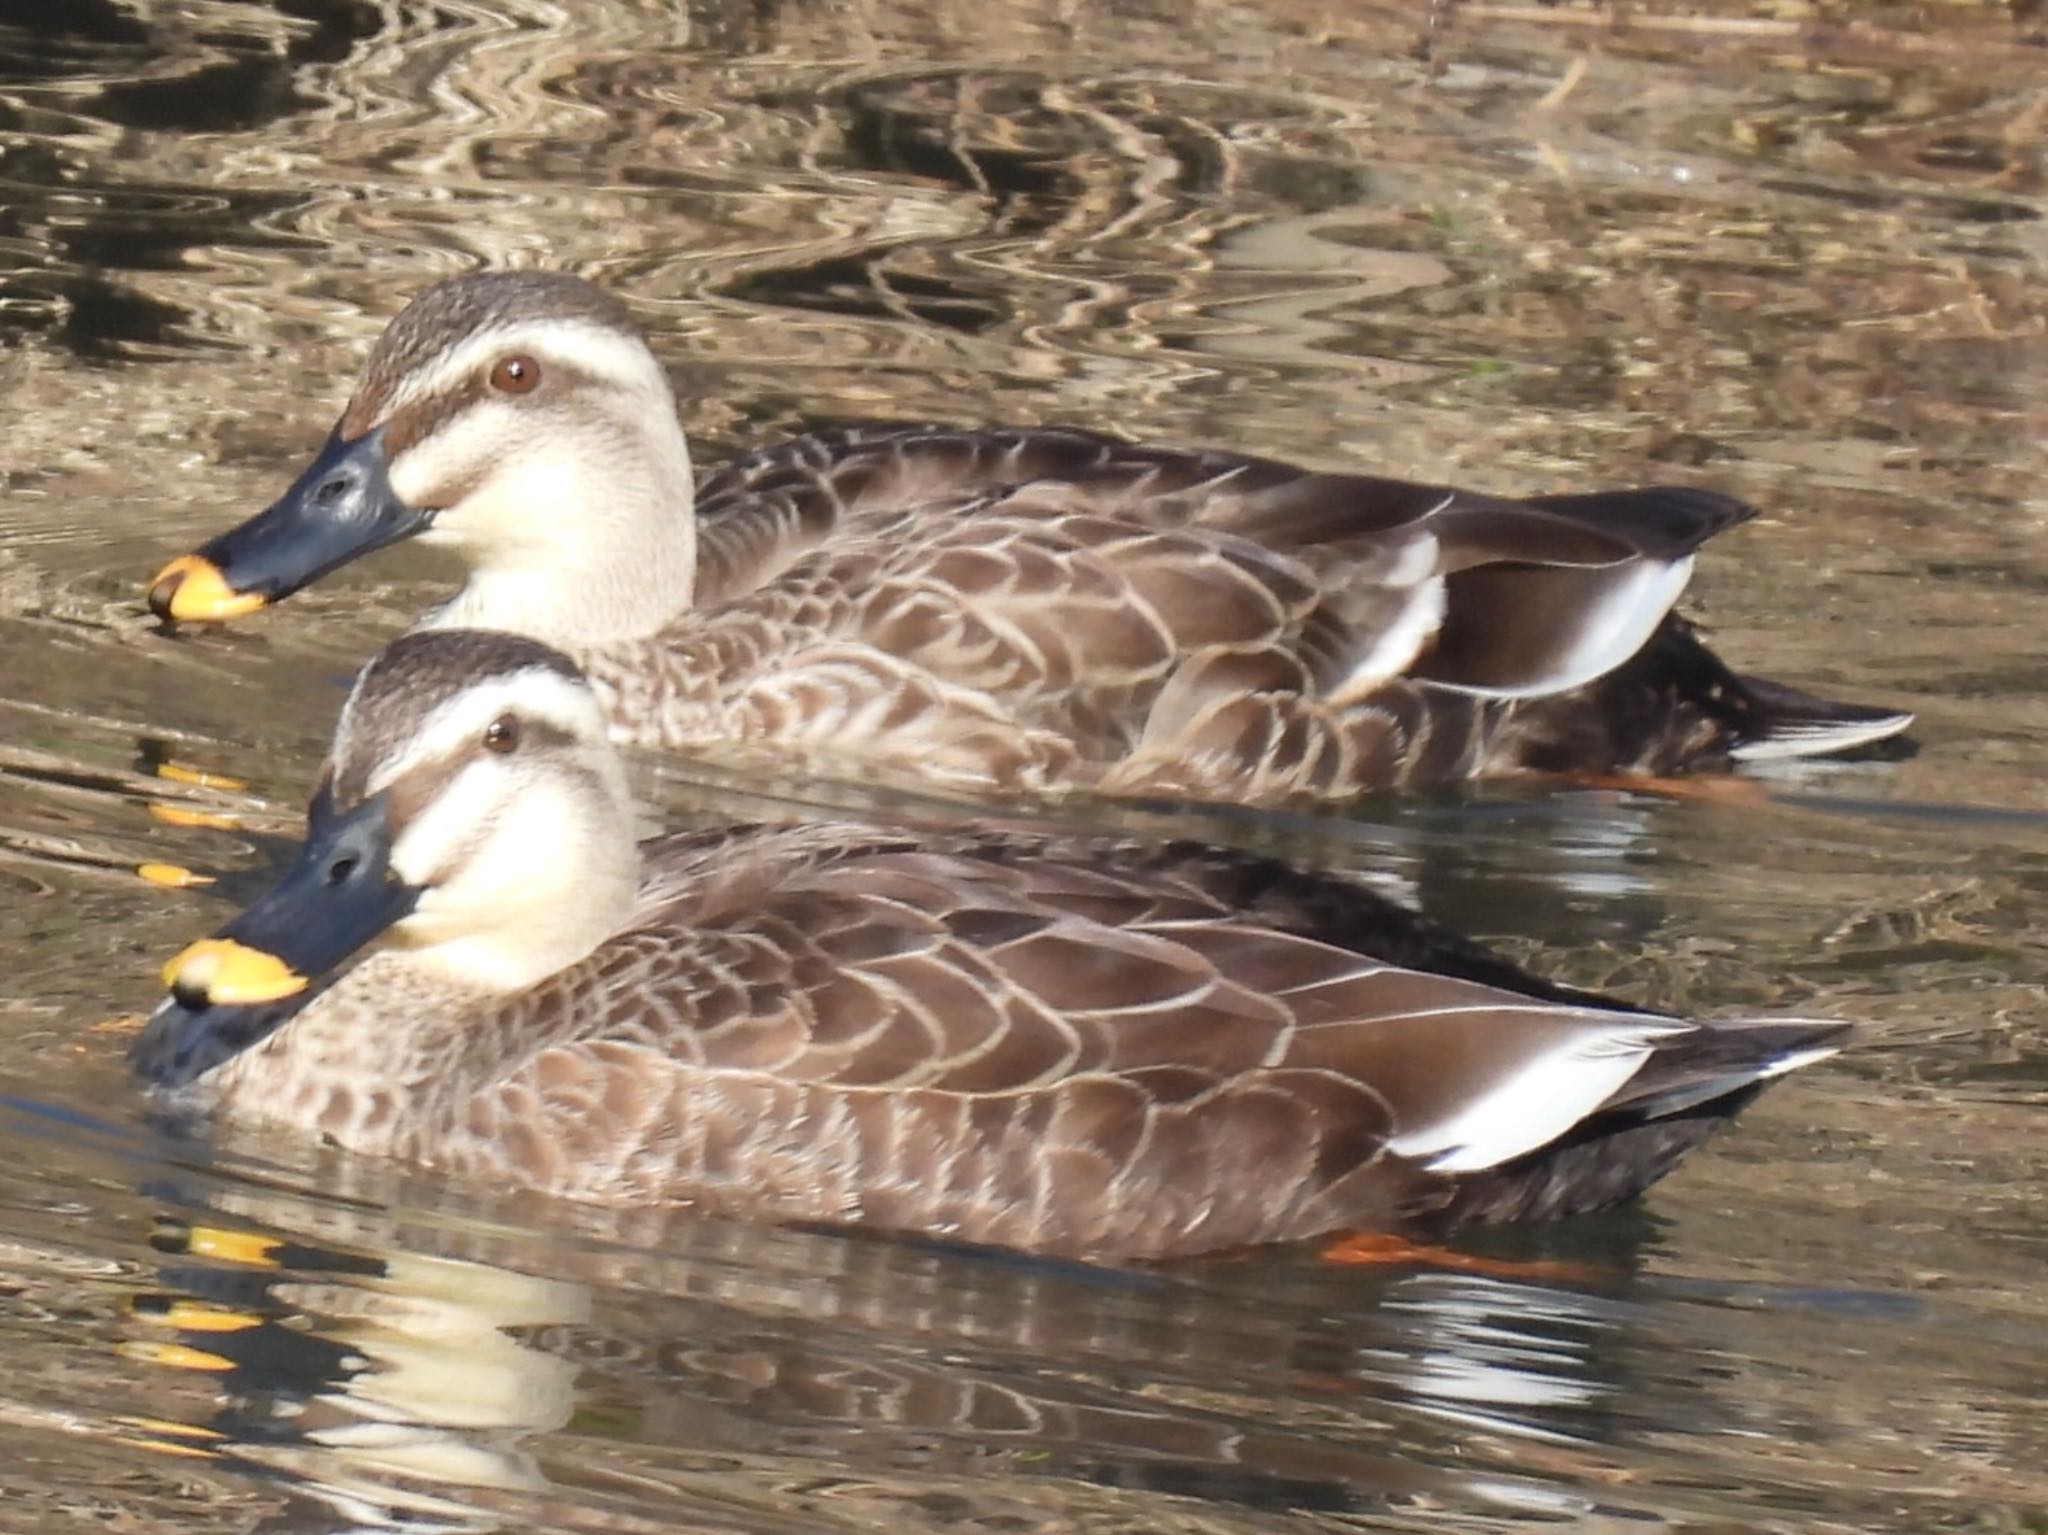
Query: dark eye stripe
{"x": 408, "y": 796}
{"x": 539, "y": 735}
{"x": 412, "y": 791}
{"x": 422, "y": 418}
{"x": 419, "y": 419}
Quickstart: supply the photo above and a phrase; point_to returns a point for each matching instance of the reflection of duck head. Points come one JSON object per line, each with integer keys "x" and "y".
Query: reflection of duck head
{"x": 1104, "y": 1050}
{"x": 381, "y": 1385}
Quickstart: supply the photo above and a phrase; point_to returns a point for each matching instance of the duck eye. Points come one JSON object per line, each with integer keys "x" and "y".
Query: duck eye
{"x": 517, "y": 374}
{"x": 501, "y": 735}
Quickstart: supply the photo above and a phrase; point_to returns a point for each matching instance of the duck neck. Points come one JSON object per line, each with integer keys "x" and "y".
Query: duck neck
{"x": 590, "y": 555}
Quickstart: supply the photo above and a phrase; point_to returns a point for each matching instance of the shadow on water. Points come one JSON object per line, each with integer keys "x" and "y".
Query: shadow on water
{"x": 1794, "y": 257}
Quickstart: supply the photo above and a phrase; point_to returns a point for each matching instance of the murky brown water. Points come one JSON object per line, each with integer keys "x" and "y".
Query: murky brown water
{"x": 1803, "y": 263}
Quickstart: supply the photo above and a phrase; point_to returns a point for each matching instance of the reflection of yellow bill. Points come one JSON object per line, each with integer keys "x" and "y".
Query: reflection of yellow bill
{"x": 175, "y": 1356}
{"x": 184, "y": 815}
{"x": 215, "y": 1242}
{"x": 168, "y": 1447}
{"x": 167, "y": 1436}
{"x": 222, "y": 970}
{"x": 199, "y": 778}
{"x": 172, "y": 1427}
{"x": 189, "y": 1315}
{"x": 171, "y": 876}
{"x": 192, "y": 588}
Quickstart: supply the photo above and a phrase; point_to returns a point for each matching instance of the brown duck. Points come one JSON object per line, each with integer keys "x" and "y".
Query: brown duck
{"x": 1109, "y": 1050}
{"x": 1034, "y": 610}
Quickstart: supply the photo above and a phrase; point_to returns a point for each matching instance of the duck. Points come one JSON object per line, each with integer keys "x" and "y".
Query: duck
{"x": 1029, "y": 611}
{"x": 1001, "y": 1033}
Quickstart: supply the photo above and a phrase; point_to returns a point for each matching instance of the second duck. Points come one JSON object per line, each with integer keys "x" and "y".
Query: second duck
{"x": 1026, "y": 610}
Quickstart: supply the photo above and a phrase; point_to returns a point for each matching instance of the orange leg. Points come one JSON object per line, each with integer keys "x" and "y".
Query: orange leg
{"x": 1706, "y": 788}
{"x": 1373, "y": 1247}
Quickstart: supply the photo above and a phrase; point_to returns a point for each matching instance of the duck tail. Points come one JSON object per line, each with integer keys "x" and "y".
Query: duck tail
{"x": 1716, "y": 1069}
{"x": 1759, "y": 720}
{"x": 1784, "y": 723}
{"x": 1691, "y": 1085}
{"x": 1676, "y": 705}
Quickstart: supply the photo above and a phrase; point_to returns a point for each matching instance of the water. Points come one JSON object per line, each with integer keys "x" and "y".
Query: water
{"x": 1801, "y": 260}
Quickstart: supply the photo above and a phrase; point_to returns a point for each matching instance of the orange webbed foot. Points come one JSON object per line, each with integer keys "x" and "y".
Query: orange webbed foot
{"x": 1382, "y": 1249}
{"x": 1703, "y": 789}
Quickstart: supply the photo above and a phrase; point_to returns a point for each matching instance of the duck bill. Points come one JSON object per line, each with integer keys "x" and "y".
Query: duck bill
{"x": 338, "y": 898}
{"x": 341, "y": 508}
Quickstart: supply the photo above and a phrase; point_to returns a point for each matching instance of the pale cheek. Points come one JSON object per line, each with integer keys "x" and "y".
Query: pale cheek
{"x": 427, "y": 473}
{"x": 460, "y": 457}
{"x": 432, "y": 843}
{"x": 517, "y": 511}
{"x": 523, "y": 863}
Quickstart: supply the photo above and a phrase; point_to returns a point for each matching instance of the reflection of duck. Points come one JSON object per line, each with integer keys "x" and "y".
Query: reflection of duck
{"x": 380, "y": 1382}
{"x": 1012, "y": 1037}
{"x": 1029, "y": 609}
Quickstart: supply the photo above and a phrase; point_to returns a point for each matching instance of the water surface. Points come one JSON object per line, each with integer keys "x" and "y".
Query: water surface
{"x": 1521, "y": 248}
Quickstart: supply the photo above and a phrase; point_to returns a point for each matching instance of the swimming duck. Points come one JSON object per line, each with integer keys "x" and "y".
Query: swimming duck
{"x": 1025, "y": 610}
{"x": 1021, "y": 1038}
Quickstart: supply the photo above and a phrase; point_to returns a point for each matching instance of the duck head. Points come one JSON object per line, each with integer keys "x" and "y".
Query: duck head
{"x": 516, "y": 418}
{"x": 472, "y": 817}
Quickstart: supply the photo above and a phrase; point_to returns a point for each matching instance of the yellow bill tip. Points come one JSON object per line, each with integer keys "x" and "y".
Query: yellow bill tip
{"x": 171, "y": 876}
{"x": 167, "y": 1436}
{"x": 168, "y": 1446}
{"x": 185, "y": 815}
{"x": 202, "y": 778}
{"x": 223, "y": 971}
{"x": 193, "y": 589}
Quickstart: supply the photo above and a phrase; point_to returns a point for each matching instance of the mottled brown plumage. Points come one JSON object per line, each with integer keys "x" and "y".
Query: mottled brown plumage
{"x": 1031, "y": 609}
{"x": 1107, "y": 1049}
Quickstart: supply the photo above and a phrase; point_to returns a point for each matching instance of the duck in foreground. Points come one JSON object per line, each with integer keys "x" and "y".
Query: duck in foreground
{"x": 1029, "y": 610}
{"x": 1107, "y": 1050}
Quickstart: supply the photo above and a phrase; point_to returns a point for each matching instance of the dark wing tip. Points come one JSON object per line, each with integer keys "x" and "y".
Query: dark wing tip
{"x": 1664, "y": 521}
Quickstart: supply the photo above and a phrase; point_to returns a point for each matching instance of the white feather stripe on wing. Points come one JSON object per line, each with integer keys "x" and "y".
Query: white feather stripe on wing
{"x": 1506, "y": 636}
{"x": 1543, "y": 1098}
{"x": 1395, "y": 646}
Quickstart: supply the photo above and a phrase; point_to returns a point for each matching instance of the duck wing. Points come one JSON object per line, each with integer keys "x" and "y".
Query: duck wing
{"x": 998, "y": 1039}
{"x": 1362, "y": 578}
